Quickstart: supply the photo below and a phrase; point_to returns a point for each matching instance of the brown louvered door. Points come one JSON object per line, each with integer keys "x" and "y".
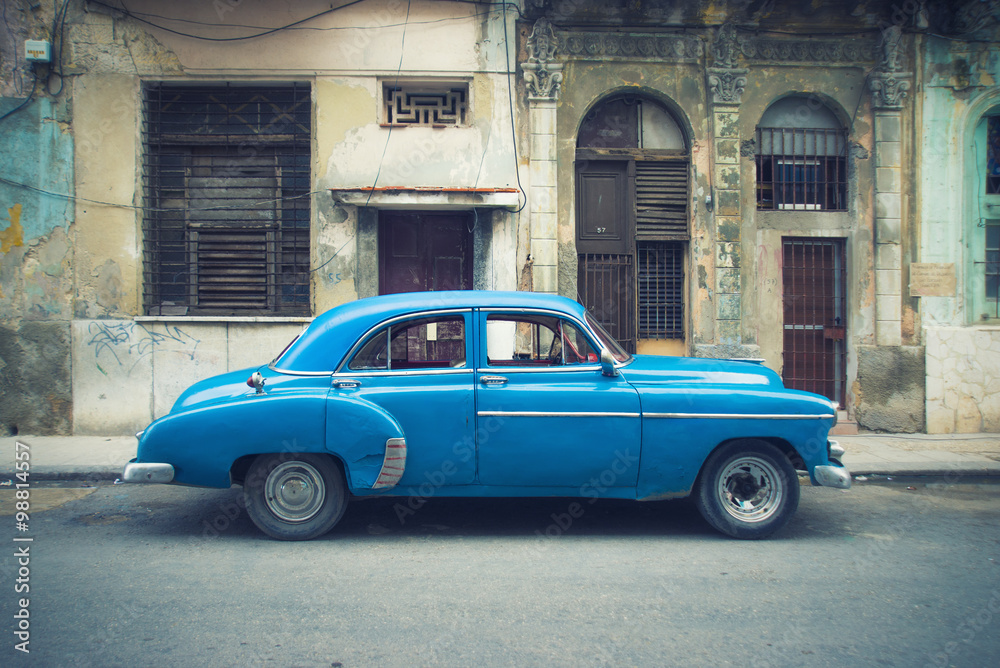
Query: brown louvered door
{"x": 814, "y": 301}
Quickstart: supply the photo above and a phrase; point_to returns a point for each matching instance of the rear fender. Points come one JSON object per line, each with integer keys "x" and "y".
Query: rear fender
{"x": 367, "y": 439}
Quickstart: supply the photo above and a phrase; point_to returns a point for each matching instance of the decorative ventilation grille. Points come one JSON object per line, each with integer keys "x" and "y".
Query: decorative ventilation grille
{"x": 227, "y": 179}
{"x": 661, "y": 200}
{"x": 415, "y": 105}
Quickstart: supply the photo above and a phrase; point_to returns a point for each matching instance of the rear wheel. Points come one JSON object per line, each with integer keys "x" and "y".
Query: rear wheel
{"x": 294, "y": 496}
{"x": 747, "y": 489}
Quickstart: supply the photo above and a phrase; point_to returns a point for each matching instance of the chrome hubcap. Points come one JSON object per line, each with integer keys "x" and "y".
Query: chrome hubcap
{"x": 750, "y": 489}
{"x": 294, "y": 491}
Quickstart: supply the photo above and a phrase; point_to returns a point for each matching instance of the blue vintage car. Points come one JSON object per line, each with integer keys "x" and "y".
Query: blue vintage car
{"x": 476, "y": 393}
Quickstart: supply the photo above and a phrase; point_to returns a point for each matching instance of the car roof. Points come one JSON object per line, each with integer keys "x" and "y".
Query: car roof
{"x": 322, "y": 346}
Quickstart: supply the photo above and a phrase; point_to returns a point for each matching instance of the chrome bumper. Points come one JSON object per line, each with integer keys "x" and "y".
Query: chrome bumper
{"x": 832, "y": 476}
{"x": 143, "y": 472}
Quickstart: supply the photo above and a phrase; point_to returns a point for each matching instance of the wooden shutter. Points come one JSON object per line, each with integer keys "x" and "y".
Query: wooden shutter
{"x": 661, "y": 200}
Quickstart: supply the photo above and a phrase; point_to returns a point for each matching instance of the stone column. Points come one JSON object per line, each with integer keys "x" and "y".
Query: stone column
{"x": 543, "y": 77}
{"x": 889, "y": 87}
{"x": 726, "y": 83}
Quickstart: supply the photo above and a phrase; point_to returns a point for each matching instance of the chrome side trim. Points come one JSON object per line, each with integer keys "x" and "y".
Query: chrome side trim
{"x": 393, "y": 464}
{"x": 739, "y": 416}
{"x": 409, "y": 372}
{"x": 833, "y": 476}
{"x": 149, "y": 473}
{"x": 553, "y": 414}
{"x": 558, "y": 368}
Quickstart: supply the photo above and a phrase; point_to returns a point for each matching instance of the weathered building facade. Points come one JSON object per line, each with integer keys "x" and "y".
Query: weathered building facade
{"x": 813, "y": 185}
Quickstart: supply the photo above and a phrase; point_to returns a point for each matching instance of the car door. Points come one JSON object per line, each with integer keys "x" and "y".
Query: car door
{"x": 546, "y": 415}
{"x": 419, "y": 369}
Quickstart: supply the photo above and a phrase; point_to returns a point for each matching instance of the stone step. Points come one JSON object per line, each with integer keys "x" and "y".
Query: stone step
{"x": 845, "y": 425}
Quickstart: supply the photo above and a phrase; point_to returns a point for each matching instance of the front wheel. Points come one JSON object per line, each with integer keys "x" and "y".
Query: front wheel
{"x": 747, "y": 489}
{"x": 294, "y": 496}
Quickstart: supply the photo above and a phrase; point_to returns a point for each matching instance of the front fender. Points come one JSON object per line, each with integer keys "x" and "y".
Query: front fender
{"x": 683, "y": 424}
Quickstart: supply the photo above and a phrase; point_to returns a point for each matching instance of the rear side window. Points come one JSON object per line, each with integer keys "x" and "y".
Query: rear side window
{"x": 428, "y": 343}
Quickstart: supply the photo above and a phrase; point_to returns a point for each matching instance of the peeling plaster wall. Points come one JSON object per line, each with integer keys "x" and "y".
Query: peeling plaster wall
{"x": 961, "y": 84}
{"x": 36, "y": 257}
{"x": 128, "y": 369}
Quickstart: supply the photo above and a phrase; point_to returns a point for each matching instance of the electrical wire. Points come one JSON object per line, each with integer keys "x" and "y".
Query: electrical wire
{"x": 399, "y": 69}
{"x": 58, "y": 23}
{"x": 27, "y": 100}
{"x": 124, "y": 10}
{"x": 151, "y": 209}
{"x": 513, "y": 129}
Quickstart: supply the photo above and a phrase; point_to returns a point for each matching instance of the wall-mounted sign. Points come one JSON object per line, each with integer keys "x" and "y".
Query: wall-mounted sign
{"x": 932, "y": 279}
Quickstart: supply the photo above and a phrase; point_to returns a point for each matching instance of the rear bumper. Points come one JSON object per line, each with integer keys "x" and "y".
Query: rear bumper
{"x": 147, "y": 472}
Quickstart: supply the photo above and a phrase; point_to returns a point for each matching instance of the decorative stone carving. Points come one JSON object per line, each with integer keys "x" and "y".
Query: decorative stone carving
{"x": 634, "y": 46}
{"x": 808, "y": 51}
{"x": 889, "y": 89}
{"x": 724, "y": 46}
{"x": 892, "y": 52}
{"x": 541, "y": 73}
{"x": 726, "y": 85}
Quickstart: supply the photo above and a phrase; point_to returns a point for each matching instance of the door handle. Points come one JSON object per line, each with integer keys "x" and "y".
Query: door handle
{"x": 493, "y": 380}
{"x": 346, "y": 384}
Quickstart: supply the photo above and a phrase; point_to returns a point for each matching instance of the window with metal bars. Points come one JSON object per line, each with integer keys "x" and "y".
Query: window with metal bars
{"x": 660, "y": 288}
{"x": 801, "y": 169}
{"x": 226, "y": 173}
{"x": 993, "y": 155}
{"x": 992, "y": 265}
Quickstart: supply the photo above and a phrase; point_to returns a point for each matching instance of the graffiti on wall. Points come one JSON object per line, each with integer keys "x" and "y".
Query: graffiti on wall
{"x": 114, "y": 342}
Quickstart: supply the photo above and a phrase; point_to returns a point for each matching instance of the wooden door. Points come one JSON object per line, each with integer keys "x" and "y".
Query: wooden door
{"x": 422, "y": 251}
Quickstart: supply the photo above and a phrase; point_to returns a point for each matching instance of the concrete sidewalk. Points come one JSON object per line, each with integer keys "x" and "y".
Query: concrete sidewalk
{"x": 939, "y": 455}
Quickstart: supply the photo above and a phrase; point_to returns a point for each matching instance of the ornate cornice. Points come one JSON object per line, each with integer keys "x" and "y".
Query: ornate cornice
{"x": 847, "y": 52}
{"x": 581, "y": 45}
{"x": 542, "y": 74}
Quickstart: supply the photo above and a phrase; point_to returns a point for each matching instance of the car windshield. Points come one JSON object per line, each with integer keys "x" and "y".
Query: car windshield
{"x": 608, "y": 341}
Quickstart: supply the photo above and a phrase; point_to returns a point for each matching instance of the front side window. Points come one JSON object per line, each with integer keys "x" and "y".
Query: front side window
{"x": 226, "y": 173}
{"x": 428, "y": 343}
{"x": 536, "y": 341}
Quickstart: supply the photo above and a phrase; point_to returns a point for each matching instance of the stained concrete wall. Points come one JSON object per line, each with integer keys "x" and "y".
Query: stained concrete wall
{"x": 76, "y": 352}
{"x": 961, "y": 84}
{"x": 889, "y": 391}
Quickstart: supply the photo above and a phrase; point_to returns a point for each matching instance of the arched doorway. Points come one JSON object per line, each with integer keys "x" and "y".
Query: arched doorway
{"x": 632, "y": 181}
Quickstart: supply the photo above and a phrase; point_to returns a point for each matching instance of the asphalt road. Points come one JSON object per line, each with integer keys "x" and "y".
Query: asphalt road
{"x": 881, "y": 575}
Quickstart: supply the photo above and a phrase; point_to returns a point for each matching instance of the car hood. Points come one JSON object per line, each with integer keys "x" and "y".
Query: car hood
{"x": 655, "y": 369}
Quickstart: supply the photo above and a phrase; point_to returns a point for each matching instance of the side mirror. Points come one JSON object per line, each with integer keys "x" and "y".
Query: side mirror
{"x": 608, "y": 364}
